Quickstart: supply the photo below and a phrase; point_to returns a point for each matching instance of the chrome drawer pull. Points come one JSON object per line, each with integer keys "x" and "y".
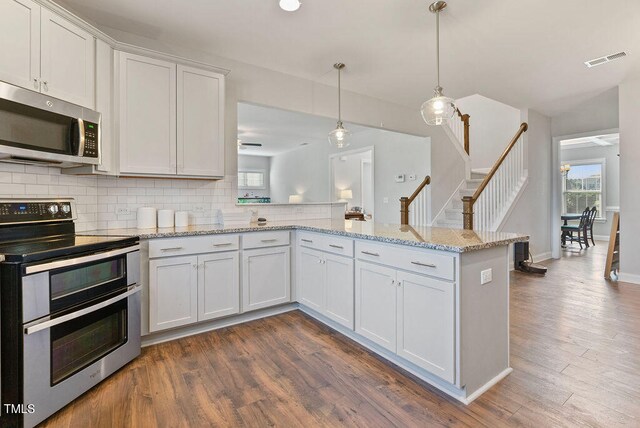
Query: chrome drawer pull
{"x": 424, "y": 264}
{"x": 370, "y": 254}
{"x": 336, "y": 246}
{"x": 268, "y": 240}
{"x": 172, "y": 249}
{"x": 225, "y": 244}
{"x": 307, "y": 240}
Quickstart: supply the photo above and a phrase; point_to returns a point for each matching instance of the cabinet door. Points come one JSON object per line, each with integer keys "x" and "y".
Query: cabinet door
{"x": 376, "y": 304}
{"x": 218, "y": 285}
{"x": 147, "y": 115}
{"x": 104, "y": 104}
{"x": 265, "y": 278}
{"x": 173, "y": 292}
{"x": 20, "y": 43}
{"x": 68, "y": 60}
{"x": 340, "y": 291}
{"x": 426, "y": 323}
{"x": 200, "y": 144}
{"x": 311, "y": 279}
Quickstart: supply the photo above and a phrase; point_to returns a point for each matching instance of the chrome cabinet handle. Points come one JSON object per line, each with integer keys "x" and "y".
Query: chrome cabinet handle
{"x": 45, "y": 85}
{"x": 424, "y": 264}
{"x": 51, "y": 323}
{"x": 370, "y": 254}
{"x": 35, "y": 83}
{"x": 307, "y": 240}
{"x": 224, "y": 244}
{"x": 194, "y": 265}
{"x": 172, "y": 249}
{"x": 336, "y": 246}
{"x": 268, "y": 240}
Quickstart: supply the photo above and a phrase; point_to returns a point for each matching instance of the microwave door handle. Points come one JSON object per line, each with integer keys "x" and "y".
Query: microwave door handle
{"x": 81, "y": 137}
{"x": 133, "y": 289}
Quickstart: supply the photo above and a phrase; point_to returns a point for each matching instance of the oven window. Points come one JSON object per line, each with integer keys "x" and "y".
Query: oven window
{"x": 72, "y": 281}
{"x": 82, "y": 341}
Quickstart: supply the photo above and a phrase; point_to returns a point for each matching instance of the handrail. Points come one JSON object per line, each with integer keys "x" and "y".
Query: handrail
{"x": 465, "y": 120}
{"x": 405, "y": 202}
{"x": 468, "y": 201}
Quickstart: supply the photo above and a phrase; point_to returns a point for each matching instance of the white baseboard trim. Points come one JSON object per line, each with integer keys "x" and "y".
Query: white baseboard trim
{"x": 628, "y": 277}
{"x": 542, "y": 257}
{"x": 484, "y": 388}
{"x": 190, "y": 330}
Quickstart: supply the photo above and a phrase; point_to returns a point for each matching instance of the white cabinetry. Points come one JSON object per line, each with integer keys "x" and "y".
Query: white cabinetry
{"x": 171, "y": 119}
{"x": 173, "y": 292}
{"x": 147, "y": 115}
{"x": 67, "y": 60}
{"x": 43, "y": 52}
{"x": 409, "y": 314}
{"x": 200, "y": 143}
{"x": 312, "y": 282}
{"x": 218, "y": 285}
{"x": 265, "y": 277}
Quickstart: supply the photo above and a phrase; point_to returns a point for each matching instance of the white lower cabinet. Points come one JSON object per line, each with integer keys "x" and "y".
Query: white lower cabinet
{"x": 265, "y": 277}
{"x": 325, "y": 284}
{"x": 184, "y": 290}
{"x": 218, "y": 285}
{"x": 411, "y": 315}
{"x": 173, "y": 292}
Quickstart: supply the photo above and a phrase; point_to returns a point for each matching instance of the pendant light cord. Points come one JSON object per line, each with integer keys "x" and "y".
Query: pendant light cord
{"x": 339, "y": 99}
{"x": 438, "y": 46}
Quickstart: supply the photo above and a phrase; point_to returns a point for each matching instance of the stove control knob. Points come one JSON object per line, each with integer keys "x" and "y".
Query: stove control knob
{"x": 66, "y": 209}
{"x": 53, "y": 209}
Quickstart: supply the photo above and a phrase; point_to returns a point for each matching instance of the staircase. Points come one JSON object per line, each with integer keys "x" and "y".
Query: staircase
{"x": 451, "y": 215}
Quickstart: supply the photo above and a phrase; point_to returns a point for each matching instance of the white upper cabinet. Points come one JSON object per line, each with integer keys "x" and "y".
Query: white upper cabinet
{"x": 20, "y": 43}
{"x": 104, "y": 104}
{"x": 200, "y": 145}
{"x": 68, "y": 59}
{"x": 147, "y": 115}
{"x": 46, "y": 53}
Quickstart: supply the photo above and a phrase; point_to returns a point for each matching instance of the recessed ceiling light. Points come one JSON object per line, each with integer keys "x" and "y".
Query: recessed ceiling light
{"x": 605, "y": 59}
{"x": 290, "y": 5}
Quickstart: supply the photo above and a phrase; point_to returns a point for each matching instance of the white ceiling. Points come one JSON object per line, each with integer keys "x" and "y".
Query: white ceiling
{"x": 526, "y": 53}
{"x": 605, "y": 140}
{"x": 280, "y": 131}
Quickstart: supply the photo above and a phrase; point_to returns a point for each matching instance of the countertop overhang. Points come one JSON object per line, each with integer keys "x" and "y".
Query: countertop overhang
{"x": 436, "y": 238}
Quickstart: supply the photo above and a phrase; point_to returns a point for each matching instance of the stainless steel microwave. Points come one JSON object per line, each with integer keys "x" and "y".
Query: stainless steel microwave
{"x": 38, "y": 129}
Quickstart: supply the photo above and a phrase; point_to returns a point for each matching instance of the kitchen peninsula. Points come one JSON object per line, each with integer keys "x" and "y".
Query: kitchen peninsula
{"x": 433, "y": 301}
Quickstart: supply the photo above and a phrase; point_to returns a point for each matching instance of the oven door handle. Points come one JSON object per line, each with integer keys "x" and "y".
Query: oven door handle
{"x": 133, "y": 289}
{"x": 79, "y": 260}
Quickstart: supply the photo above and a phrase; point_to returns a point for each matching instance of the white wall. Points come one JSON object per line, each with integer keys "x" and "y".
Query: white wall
{"x": 595, "y": 114}
{"x": 612, "y": 178}
{"x": 347, "y": 175}
{"x": 256, "y": 163}
{"x": 492, "y": 125}
{"x": 532, "y": 213}
{"x": 629, "y": 108}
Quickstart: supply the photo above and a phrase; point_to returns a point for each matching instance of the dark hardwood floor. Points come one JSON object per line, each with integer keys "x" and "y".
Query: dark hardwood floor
{"x": 575, "y": 351}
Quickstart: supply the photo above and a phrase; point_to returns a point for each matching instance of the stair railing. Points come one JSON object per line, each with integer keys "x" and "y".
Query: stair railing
{"x": 405, "y": 202}
{"x": 460, "y": 129}
{"x": 490, "y": 198}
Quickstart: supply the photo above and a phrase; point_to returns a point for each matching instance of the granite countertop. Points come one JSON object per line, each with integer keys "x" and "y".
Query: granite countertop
{"x": 437, "y": 238}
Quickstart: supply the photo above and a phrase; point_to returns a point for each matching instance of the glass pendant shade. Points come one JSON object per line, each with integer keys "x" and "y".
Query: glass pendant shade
{"x": 438, "y": 110}
{"x": 289, "y": 5}
{"x": 339, "y": 137}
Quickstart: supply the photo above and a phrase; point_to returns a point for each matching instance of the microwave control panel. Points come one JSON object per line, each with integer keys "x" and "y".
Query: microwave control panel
{"x": 91, "y": 139}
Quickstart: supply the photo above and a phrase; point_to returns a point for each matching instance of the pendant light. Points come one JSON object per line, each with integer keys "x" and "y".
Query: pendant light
{"x": 339, "y": 137}
{"x": 289, "y": 5}
{"x": 438, "y": 109}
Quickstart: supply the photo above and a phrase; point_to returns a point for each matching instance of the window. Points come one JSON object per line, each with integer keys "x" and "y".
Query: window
{"x": 584, "y": 187}
{"x": 251, "y": 180}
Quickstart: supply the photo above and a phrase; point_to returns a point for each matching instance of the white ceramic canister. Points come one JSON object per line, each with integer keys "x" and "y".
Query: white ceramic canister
{"x": 165, "y": 218}
{"x": 146, "y": 218}
{"x": 182, "y": 218}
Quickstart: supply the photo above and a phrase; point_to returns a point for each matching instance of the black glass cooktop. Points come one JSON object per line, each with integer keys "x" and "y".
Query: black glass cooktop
{"x": 28, "y": 250}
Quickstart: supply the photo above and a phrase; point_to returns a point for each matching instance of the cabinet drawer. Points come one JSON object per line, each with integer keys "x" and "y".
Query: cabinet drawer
{"x": 166, "y": 247}
{"x": 330, "y": 243}
{"x": 427, "y": 262}
{"x": 265, "y": 239}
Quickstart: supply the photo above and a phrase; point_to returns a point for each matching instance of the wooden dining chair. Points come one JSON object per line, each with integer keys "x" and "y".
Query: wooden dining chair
{"x": 592, "y": 219}
{"x": 579, "y": 229}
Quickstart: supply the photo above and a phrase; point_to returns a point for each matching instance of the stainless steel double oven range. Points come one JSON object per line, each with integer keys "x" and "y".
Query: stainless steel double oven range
{"x": 70, "y": 308}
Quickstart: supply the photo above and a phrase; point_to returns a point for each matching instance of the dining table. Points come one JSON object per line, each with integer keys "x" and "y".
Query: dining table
{"x": 566, "y": 218}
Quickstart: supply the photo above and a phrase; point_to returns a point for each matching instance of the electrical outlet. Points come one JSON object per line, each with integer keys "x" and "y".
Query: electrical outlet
{"x": 486, "y": 276}
{"x": 385, "y": 200}
{"x": 412, "y": 177}
{"x": 199, "y": 208}
{"x": 123, "y": 211}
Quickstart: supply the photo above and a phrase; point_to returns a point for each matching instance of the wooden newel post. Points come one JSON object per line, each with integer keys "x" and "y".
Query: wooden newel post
{"x": 465, "y": 119}
{"x": 467, "y": 212}
{"x": 404, "y": 210}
